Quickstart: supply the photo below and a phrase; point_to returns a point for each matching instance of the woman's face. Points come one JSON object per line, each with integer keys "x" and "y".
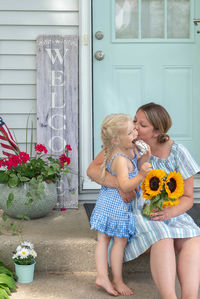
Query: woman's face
{"x": 145, "y": 129}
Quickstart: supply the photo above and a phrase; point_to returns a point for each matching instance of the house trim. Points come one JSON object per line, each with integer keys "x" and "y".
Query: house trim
{"x": 85, "y": 98}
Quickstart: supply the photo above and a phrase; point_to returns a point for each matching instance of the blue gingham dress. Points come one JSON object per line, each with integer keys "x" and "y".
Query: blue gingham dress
{"x": 111, "y": 215}
{"x": 149, "y": 232}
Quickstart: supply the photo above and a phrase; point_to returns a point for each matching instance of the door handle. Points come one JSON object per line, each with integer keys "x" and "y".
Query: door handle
{"x": 196, "y": 21}
{"x": 99, "y": 55}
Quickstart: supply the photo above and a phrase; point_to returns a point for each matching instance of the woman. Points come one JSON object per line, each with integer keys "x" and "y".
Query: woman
{"x": 171, "y": 230}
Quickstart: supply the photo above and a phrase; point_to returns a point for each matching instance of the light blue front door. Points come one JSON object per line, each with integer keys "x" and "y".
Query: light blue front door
{"x": 151, "y": 53}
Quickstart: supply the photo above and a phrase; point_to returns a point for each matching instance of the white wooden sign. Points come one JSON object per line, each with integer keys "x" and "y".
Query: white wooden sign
{"x": 57, "y": 106}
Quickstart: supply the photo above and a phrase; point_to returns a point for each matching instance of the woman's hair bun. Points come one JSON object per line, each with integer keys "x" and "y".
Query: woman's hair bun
{"x": 163, "y": 137}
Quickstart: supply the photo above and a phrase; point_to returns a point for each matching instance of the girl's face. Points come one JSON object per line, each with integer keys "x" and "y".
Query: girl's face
{"x": 145, "y": 129}
{"x": 128, "y": 136}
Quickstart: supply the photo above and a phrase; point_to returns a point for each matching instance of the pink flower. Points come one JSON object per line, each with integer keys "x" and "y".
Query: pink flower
{"x": 24, "y": 157}
{"x": 68, "y": 146}
{"x": 40, "y": 148}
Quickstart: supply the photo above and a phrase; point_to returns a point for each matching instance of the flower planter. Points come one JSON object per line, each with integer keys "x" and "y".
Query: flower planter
{"x": 25, "y": 273}
{"x": 38, "y": 208}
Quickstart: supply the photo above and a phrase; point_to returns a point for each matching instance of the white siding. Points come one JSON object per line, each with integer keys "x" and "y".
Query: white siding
{"x": 21, "y": 22}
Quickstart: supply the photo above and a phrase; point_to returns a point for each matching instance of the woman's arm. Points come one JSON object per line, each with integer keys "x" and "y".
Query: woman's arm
{"x": 94, "y": 171}
{"x": 186, "y": 202}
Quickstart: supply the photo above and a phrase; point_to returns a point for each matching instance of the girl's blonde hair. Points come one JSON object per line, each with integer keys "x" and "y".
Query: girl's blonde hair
{"x": 111, "y": 128}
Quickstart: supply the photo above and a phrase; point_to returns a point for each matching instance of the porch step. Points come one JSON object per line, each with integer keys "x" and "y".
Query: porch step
{"x": 64, "y": 243}
{"x": 80, "y": 285}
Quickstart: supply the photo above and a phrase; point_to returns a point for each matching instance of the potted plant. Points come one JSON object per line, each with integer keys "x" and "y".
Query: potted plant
{"x": 24, "y": 260}
{"x": 27, "y": 185}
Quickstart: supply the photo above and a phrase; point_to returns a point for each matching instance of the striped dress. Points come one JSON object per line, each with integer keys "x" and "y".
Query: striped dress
{"x": 149, "y": 232}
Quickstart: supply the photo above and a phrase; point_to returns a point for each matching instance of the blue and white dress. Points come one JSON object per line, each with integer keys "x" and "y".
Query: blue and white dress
{"x": 148, "y": 232}
{"x": 111, "y": 215}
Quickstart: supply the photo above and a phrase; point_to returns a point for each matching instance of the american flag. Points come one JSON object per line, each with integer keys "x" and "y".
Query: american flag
{"x": 7, "y": 142}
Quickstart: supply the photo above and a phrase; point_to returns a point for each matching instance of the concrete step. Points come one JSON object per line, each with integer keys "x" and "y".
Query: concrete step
{"x": 80, "y": 285}
{"x": 64, "y": 243}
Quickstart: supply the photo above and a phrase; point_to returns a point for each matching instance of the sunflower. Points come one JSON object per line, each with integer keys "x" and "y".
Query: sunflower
{"x": 174, "y": 185}
{"x": 153, "y": 183}
{"x": 170, "y": 203}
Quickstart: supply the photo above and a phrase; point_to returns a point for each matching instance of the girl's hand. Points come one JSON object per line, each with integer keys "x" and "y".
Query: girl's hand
{"x": 145, "y": 169}
{"x": 164, "y": 215}
{"x": 147, "y": 156}
{"x": 129, "y": 196}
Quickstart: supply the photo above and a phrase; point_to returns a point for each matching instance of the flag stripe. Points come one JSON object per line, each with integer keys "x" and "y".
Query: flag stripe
{"x": 7, "y": 142}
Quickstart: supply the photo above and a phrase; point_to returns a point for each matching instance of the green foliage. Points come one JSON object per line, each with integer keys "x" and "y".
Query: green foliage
{"x": 7, "y": 281}
{"x": 41, "y": 168}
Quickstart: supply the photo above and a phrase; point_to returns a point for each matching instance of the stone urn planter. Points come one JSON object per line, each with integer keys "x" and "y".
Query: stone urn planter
{"x": 38, "y": 208}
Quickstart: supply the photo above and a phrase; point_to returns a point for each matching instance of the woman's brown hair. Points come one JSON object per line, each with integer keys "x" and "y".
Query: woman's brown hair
{"x": 160, "y": 119}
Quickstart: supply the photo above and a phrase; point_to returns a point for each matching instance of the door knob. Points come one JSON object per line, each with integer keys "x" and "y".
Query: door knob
{"x": 99, "y": 55}
{"x": 99, "y": 35}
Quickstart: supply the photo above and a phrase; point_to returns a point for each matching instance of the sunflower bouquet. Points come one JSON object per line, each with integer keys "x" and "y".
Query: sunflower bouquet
{"x": 162, "y": 190}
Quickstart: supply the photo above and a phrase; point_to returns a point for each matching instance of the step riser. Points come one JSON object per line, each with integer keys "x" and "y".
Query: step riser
{"x": 72, "y": 257}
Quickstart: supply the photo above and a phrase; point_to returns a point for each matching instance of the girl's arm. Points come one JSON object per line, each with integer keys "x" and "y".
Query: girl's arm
{"x": 120, "y": 166}
{"x": 186, "y": 202}
{"x": 94, "y": 171}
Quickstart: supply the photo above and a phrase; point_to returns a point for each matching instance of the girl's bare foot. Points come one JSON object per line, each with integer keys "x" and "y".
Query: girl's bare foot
{"x": 122, "y": 288}
{"x": 106, "y": 285}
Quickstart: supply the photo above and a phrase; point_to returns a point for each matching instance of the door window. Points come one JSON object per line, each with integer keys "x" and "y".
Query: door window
{"x": 152, "y": 19}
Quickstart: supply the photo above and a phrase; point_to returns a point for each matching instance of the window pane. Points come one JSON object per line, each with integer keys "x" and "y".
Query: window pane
{"x": 178, "y": 20}
{"x": 152, "y": 18}
{"x": 126, "y": 18}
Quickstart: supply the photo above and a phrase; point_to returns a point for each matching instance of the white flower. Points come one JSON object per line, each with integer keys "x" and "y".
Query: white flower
{"x": 33, "y": 253}
{"x": 28, "y": 244}
{"x": 18, "y": 248}
{"x": 23, "y": 253}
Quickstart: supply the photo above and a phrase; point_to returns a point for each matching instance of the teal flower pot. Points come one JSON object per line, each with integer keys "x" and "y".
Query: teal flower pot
{"x": 25, "y": 273}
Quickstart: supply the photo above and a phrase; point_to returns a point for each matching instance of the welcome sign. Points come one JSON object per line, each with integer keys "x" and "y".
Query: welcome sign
{"x": 57, "y": 106}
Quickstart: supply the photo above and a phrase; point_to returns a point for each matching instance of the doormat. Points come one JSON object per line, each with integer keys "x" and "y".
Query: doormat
{"x": 89, "y": 208}
{"x": 194, "y": 212}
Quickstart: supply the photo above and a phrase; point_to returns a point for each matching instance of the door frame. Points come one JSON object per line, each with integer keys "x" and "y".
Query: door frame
{"x": 85, "y": 97}
{"x": 88, "y": 190}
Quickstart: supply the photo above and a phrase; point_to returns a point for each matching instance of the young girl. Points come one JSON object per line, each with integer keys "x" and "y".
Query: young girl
{"x": 112, "y": 217}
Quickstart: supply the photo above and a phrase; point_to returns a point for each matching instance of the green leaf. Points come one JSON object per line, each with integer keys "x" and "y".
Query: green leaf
{"x": 10, "y": 199}
{"x": 5, "y": 270}
{"x": 7, "y": 280}
{"x": 13, "y": 181}
{"x": 29, "y": 202}
{"x": 146, "y": 210}
{"x": 3, "y": 177}
{"x": 3, "y": 293}
{"x": 23, "y": 217}
{"x": 4, "y": 217}
{"x": 6, "y": 289}
{"x": 24, "y": 179}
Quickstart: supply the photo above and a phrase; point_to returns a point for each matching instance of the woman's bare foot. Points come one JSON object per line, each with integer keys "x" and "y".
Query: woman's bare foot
{"x": 122, "y": 288}
{"x": 106, "y": 285}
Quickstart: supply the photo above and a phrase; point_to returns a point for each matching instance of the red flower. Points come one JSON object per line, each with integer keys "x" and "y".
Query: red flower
{"x": 40, "y": 148}
{"x": 24, "y": 157}
{"x": 12, "y": 161}
{"x": 68, "y": 146}
{"x": 64, "y": 159}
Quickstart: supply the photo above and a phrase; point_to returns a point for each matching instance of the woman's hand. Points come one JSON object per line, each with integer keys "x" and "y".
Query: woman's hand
{"x": 164, "y": 215}
{"x": 128, "y": 196}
